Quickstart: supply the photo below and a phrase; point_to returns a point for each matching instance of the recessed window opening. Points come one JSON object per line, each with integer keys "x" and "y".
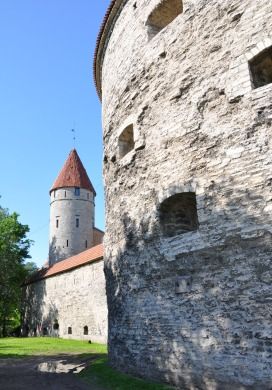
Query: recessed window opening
{"x": 77, "y": 191}
{"x": 261, "y": 68}
{"x": 56, "y": 325}
{"x": 57, "y": 223}
{"x": 77, "y": 222}
{"x": 165, "y": 12}
{"x": 65, "y": 194}
{"x": 126, "y": 141}
{"x": 86, "y": 244}
{"x": 54, "y": 193}
{"x": 67, "y": 243}
{"x": 88, "y": 195}
{"x": 178, "y": 214}
{"x": 69, "y": 330}
{"x": 85, "y": 330}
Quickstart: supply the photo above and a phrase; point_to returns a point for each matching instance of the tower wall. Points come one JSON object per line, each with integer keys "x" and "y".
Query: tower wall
{"x": 194, "y": 308}
{"x": 66, "y": 238}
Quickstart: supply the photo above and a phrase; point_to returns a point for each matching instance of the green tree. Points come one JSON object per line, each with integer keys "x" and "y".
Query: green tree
{"x": 14, "y": 248}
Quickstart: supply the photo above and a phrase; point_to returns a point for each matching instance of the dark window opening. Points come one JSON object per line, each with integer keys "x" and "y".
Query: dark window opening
{"x": 67, "y": 243}
{"x": 57, "y": 223}
{"x": 54, "y": 193}
{"x": 86, "y": 244}
{"x": 56, "y": 325}
{"x": 45, "y": 331}
{"x": 77, "y": 222}
{"x": 261, "y": 68}
{"x": 88, "y": 195}
{"x": 162, "y": 15}
{"x": 77, "y": 191}
{"x": 178, "y": 214}
{"x": 126, "y": 141}
{"x": 69, "y": 330}
{"x": 65, "y": 194}
{"x": 85, "y": 330}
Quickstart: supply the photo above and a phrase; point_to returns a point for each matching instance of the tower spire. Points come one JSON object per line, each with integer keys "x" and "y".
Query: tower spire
{"x": 71, "y": 211}
{"x": 73, "y": 174}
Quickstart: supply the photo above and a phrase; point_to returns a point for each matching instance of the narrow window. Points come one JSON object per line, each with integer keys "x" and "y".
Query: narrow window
{"x": 178, "y": 214}
{"x": 54, "y": 193}
{"x": 165, "y": 12}
{"x": 86, "y": 244}
{"x": 57, "y": 223}
{"x": 77, "y": 222}
{"x": 88, "y": 195}
{"x": 261, "y": 68}
{"x": 67, "y": 243}
{"x": 77, "y": 191}
{"x": 126, "y": 141}
{"x": 56, "y": 325}
{"x": 69, "y": 330}
{"x": 85, "y": 330}
{"x": 65, "y": 194}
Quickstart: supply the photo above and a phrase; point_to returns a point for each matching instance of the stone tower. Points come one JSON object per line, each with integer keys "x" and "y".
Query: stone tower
{"x": 72, "y": 211}
{"x": 186, "y": 90}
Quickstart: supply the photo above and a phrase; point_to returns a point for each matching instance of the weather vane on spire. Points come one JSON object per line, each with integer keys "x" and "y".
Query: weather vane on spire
{"x": 74, "y": 134}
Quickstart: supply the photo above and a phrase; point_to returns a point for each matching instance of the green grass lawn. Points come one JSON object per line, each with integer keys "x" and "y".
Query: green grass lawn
{"x": 31, "y": 346}
{"x": 97, "y": 373}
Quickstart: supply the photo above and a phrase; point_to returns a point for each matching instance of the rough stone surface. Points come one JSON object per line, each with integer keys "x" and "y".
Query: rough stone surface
{"x": 194, "y": 309}
{"x": 72, "y": 299}
{"x": 66, "y": 237}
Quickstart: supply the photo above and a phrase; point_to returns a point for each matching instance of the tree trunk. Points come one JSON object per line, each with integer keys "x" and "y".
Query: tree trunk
{"x": 4, "y": 327}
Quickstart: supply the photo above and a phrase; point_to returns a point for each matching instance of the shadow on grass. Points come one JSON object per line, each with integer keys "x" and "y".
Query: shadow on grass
{"x": 99, "y": 372}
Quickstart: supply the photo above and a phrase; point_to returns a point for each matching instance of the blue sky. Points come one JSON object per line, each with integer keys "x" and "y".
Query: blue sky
{"x": 46, "y": 86}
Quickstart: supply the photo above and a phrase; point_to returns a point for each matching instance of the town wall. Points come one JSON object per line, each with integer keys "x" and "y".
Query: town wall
{"x": 73, "y": 299}
{"x": 193, "y": 309}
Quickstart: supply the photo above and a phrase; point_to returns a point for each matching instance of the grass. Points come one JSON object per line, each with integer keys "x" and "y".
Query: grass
{"x": 34, "y": 346}
{"x": 99, "y": 372}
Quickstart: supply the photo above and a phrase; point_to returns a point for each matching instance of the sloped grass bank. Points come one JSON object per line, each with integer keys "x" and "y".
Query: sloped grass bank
{"x": 99, "y": 372}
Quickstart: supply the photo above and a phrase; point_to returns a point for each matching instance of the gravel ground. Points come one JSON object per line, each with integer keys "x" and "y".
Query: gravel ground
{"x": 44, "y": 372}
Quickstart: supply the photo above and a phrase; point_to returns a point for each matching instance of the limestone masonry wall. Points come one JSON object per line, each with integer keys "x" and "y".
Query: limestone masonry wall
{"x": 193, "y": 309}
{"x": 67, "y": 236}
{"x": 65, "y": 304}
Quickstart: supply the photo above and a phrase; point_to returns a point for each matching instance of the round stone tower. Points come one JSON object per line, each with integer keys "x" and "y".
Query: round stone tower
{"x": 72, "y": 211}
{"x": 186, "y": 90}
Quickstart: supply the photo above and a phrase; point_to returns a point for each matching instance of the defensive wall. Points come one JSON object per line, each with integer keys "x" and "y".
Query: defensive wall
{"x": 68, "y": 299}
{"x": 186, "y": 99}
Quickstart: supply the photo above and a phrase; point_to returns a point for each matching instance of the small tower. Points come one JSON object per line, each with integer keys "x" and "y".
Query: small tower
{"x": 71, "y": 211}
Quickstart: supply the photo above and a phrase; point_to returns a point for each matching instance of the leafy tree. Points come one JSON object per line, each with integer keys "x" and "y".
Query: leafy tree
{"x": 14, "y": 247}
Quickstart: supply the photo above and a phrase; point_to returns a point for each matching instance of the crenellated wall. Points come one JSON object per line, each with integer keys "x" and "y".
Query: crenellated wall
{"x": 193, "y": 309}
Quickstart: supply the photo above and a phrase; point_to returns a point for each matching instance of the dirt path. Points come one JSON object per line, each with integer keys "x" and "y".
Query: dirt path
{"x": 44, "y": 372}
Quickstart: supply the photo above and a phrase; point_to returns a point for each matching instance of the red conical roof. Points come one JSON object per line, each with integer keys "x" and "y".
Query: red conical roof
{"x": 73, "y": 174}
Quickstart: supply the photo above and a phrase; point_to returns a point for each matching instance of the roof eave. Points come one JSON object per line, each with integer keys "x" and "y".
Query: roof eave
{"x": 62, "y": 271}
{"x": 101, "y": 42}
{"x": 59, "y": 188}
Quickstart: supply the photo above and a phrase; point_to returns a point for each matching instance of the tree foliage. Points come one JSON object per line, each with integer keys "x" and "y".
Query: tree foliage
{"x": 14, "y": 250}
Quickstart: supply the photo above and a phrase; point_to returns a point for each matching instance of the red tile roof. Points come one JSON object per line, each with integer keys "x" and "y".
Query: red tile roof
{"x": 73, "y": 174}
{"x": 89, "y": 256}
